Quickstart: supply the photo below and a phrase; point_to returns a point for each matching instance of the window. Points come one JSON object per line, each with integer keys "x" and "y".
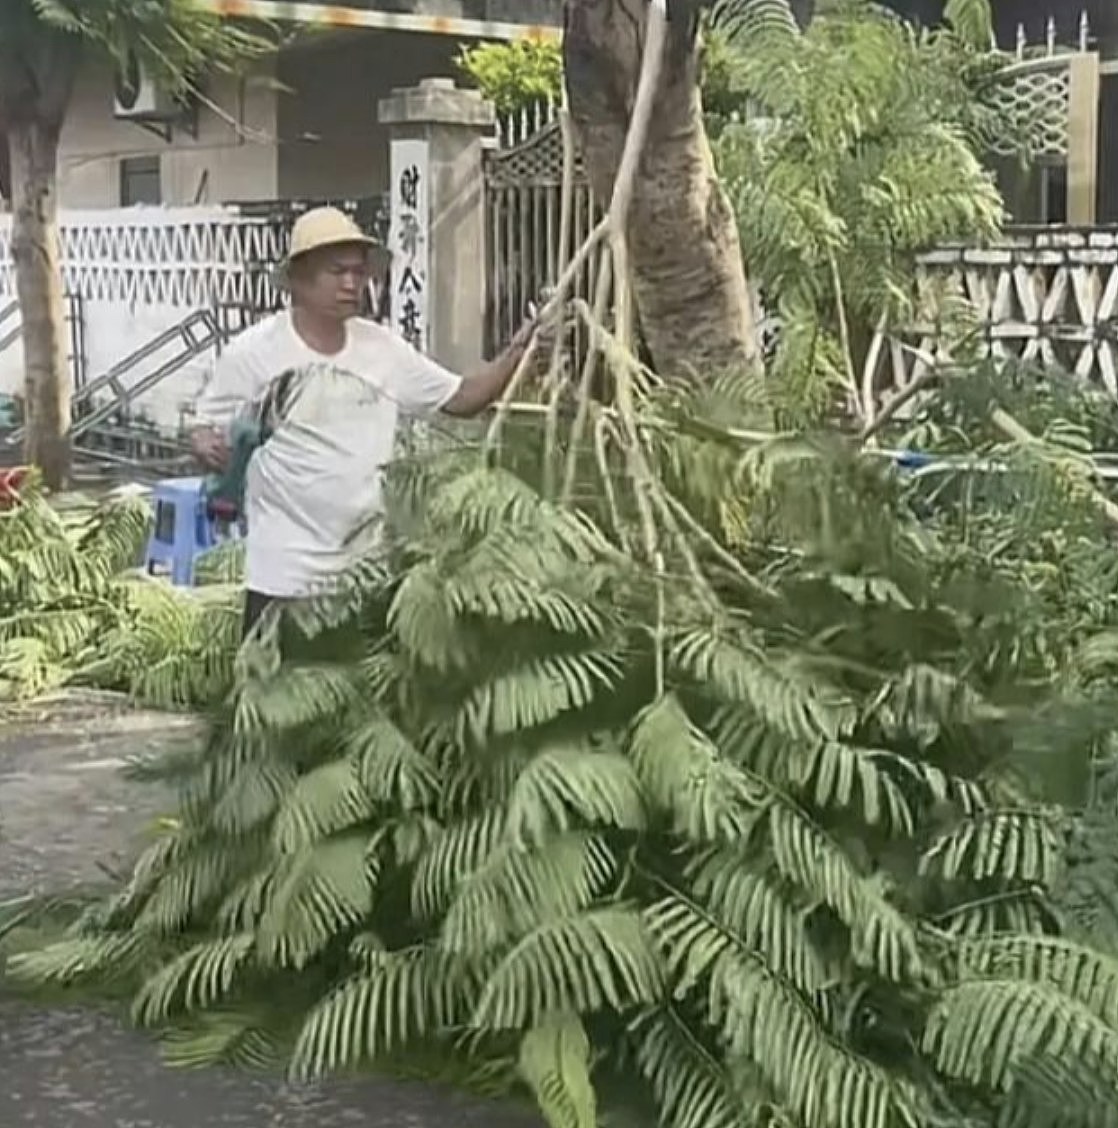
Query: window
{"x": 140, "y": 181}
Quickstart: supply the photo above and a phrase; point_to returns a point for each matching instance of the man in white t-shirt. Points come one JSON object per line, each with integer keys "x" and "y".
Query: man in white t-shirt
{"x": 334, "y": 384}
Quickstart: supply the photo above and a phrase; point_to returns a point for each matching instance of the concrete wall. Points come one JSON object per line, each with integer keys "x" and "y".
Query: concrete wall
{"x": 232, "y": 159}
{"x": 303, "y": 127}
{"x": 537, "y": 12}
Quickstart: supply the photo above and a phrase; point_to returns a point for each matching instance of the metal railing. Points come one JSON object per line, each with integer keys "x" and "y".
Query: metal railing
{"x": 103, "y": 429}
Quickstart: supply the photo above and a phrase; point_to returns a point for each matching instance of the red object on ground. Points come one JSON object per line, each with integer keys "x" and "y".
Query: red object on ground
{"x": 11, "y": 480}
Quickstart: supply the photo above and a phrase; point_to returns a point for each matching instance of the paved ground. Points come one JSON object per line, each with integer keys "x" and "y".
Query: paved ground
{"x": 64, "y": 813}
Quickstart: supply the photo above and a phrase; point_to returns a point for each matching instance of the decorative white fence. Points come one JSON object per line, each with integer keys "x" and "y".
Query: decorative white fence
{"x": 1046, "y": 296}
{"x": 187, "y": 258}
{"x": 134, "y": 274}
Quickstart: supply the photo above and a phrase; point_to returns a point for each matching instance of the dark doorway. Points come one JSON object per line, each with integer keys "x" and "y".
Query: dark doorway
{"x": 5, "y": 171}
{"x": 1108, "y": 150}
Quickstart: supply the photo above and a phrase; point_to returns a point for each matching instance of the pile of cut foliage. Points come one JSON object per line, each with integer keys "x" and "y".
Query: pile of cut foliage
{"x": 731, "y": 784}
{"x": 737, "y": 798}
{"x": 75, "y": 608}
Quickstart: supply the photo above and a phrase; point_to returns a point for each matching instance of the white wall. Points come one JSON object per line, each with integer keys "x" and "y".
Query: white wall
{"x": 233, "y": 158}
{"x": 112, "y": 330}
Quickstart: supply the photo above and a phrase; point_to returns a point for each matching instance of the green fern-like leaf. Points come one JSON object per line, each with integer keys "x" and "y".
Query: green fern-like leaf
{"x": 601, "y": 959}
{"x": 223, "y": 1038}
{"x": 538, "y": 692}
{"x": 323, "y": 889}
{"x": 882, "y": 937}
{"x": 1085, "y": 976}
{"x": 763, "y": 918}
{"x": 196, "y": 980}
{"x": 454, "y": 853}
{"x": 790, "y": 700}
{"x": 822, "y": 1081}
{"x": 327, "y": 800}
{"x": 691, "y": 1086}
{"x": 703, "y": 797}
{"x": 402, "y": 996}
{"x": 1014, "y": 845}
{"x": 984, "y": 1031}
{"x": 517, "y": 889}
{"x": 567, "y": 786}
{"x": 391, "y": 768}
{"x": 555, "y": 1061}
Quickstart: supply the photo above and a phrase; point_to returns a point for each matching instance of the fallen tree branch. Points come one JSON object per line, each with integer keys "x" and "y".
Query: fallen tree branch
{"x": 890, "y": 408}
{"x": 1021, "y": 434}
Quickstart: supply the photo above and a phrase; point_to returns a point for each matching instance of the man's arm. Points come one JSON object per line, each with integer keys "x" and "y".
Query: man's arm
{"x": 485, "y": 386}
{"x": 223, "y": 398}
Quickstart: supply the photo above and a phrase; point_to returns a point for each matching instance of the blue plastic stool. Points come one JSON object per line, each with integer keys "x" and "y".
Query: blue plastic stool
{"x": 182, "y": 532}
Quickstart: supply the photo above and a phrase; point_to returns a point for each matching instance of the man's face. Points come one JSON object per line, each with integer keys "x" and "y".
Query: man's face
{"x": 331, "y": 281}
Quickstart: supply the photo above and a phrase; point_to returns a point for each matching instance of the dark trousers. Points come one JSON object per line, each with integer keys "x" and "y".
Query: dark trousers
{"x": 340, "y": 643}
{"x": 255, "y": 604}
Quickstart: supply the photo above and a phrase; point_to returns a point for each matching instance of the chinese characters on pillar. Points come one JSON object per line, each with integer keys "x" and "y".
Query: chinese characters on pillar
{"x": 409, "y": 241}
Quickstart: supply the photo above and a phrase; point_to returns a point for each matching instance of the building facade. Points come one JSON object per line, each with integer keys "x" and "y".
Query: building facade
{"x": 300, "y": 125}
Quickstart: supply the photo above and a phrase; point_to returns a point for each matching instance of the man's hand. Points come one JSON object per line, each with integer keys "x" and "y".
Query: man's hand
{"x": 541, "y": 326}
{"x": 522, "y": 338}
{"x": 210, "y": 448}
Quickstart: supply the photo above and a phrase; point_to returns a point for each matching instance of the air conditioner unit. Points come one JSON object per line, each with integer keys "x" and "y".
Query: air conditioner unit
{"x": 138, "y": 97}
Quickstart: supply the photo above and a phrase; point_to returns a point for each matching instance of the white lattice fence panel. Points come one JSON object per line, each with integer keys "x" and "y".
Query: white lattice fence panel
{"x": 1036, "y": 95}
{"x": 1049, "y": 299}
{"x": 185, "y": 258}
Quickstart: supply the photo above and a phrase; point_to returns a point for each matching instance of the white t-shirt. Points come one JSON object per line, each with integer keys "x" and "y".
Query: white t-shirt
{"x": 317, "y": 480}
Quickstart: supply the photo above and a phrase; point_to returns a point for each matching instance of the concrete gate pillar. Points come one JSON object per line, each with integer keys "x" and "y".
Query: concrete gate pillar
{"x": 437, "y": 233}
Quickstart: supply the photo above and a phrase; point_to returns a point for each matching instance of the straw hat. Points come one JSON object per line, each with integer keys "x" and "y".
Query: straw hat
{"x": 325, "y": 227}
{"x": 318, "y": 228}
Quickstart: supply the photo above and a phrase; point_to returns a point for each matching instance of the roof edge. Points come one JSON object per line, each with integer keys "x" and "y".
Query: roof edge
{"x": 340, "y": 16}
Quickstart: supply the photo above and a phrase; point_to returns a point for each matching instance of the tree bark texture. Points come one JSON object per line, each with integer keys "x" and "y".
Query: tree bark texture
{"x": 37, "y": 72}
{"x": 33, "y": 149}
{"x": 689, "y": 278}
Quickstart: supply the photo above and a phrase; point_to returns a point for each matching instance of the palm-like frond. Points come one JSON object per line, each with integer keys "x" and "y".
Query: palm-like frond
{"x": 72, "y": 608}
{"x": 555, "y": 1061}
{"x": 987, "y": 1031}
{"x": 764, "y": 1019}
{"x": 740, "y": 857}
{"x": 401, "y": 996}
{"x": 585, "y": 963}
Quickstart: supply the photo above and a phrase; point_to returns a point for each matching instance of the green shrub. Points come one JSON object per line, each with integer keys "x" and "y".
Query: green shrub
{"x": 515, "y": 75}
{"x": 863, "y": 148}
{"x": 755, "y": 832}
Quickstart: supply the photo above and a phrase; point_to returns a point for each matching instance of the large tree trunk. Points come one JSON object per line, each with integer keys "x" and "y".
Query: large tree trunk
{"x": 688, "y": 275}
{"x": 33, "y": 148}
{"x": 37, "y": 73}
